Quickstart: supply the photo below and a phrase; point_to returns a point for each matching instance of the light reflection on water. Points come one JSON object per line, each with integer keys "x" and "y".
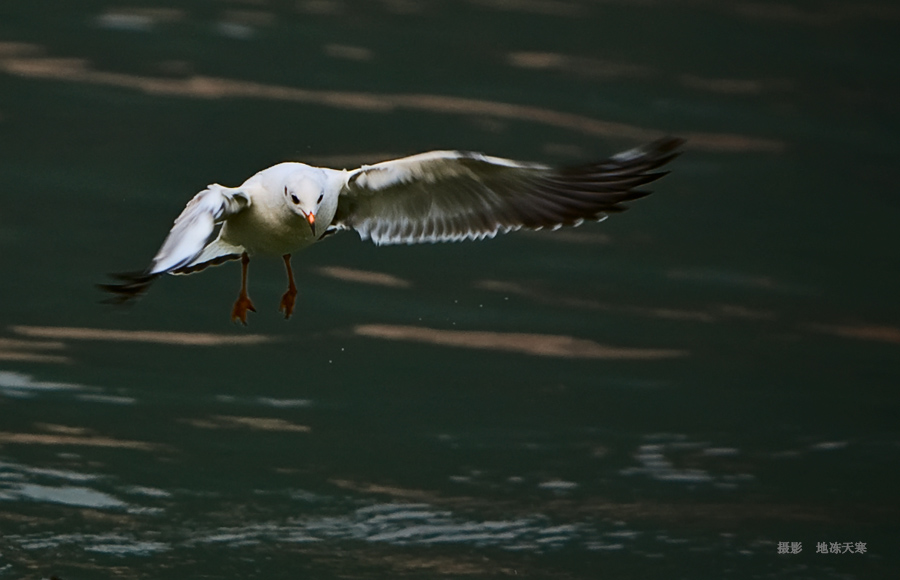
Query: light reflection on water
{"x": 395, "y": 523}
{"x": 400, "y": 523}
{"x": 76, "y": 496}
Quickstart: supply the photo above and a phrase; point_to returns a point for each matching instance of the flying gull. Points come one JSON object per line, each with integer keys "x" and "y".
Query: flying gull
{"x": 431, "y": 197}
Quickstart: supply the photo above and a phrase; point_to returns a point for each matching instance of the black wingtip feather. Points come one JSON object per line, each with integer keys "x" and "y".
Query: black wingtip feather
{"x": 605, "y": 185}
{"x": 204, "y": 265}
{"x": 133, "y": 286}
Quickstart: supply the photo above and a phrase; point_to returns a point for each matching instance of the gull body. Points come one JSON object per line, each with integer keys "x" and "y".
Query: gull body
{"x": 430, "y": 197}
{"x": 271, "y": 223}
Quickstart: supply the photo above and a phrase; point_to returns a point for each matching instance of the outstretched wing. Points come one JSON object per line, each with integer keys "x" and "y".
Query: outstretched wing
{"x": 455, "y": 195}
{"x": 191, "y": 234}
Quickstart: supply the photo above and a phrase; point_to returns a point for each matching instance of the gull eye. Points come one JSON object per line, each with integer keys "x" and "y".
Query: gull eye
{"x": 294, "y": 199}
{"x": 321, "y": 195}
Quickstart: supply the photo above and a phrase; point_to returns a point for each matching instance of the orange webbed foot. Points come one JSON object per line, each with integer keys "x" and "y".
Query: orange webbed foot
{"x": 241, "y": 306}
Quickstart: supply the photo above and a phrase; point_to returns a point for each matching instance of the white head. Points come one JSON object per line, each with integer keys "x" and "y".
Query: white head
{"x": 303, "y": 195}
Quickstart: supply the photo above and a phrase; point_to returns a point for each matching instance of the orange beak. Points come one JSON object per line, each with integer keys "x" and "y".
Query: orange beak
{"x": 311, "y": 218}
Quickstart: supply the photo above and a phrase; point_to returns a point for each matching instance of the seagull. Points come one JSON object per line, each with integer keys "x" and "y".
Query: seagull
{"x": 430, "y": 197}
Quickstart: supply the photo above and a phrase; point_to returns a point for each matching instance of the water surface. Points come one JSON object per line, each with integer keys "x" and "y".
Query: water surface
{"x": 668, "y": 394}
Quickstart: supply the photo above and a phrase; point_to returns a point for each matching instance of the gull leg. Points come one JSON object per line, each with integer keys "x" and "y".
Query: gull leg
{"x": 243, "y": 303}
{"x": 287, "y": 300}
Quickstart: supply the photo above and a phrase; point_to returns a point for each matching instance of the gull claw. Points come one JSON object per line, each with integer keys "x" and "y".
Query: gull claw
{"x": 241, "y": 306}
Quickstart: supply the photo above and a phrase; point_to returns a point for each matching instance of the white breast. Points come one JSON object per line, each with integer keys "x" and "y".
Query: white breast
{"x": 268, "y": 226}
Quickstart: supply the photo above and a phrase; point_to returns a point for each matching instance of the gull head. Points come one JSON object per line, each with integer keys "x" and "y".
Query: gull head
{"x": 303, "y": 196}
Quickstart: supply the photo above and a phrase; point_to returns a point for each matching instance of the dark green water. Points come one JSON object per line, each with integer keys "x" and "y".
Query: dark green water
{"x": 728, "y": 369}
